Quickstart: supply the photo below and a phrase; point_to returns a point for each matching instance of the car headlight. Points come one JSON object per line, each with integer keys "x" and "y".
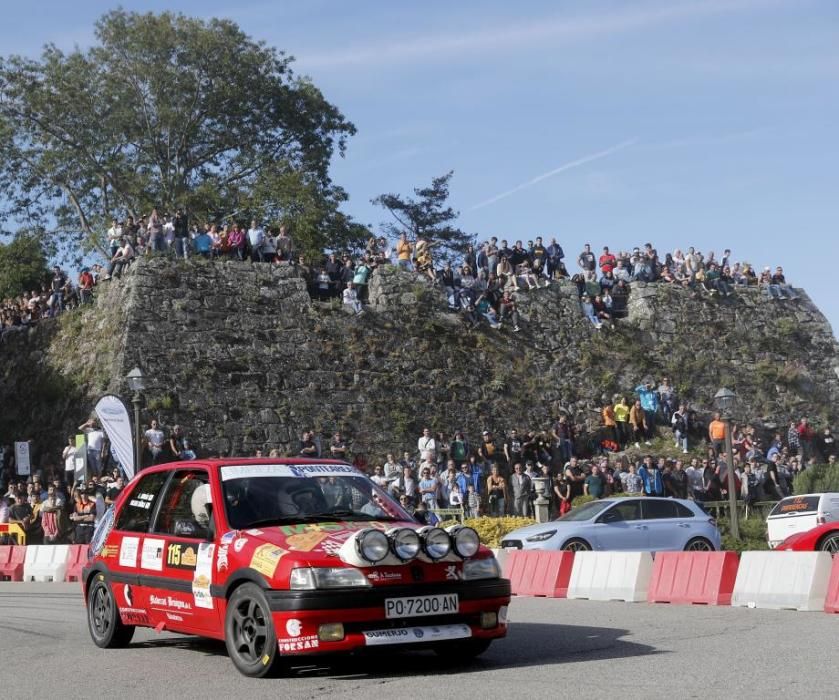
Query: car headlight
{"x": 435, "y": 542}
{"x": 481, "y": 568}
{"x": 542, "y": 536}
{"x": 465, "y": 541}
{"x": 404, "y": 543}
{"x": 308, "y": 579}
{"x": 372, "y": 545}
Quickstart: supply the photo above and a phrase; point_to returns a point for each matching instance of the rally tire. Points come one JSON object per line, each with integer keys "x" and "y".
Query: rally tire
{"x": 576, "y": 544}
{"x": 462, "y": 649}
{"x": 103, "y": 621}
{"x": 829, "y": 543}
{"x": 699, "y": 544}
{"x": 249, "y": 633}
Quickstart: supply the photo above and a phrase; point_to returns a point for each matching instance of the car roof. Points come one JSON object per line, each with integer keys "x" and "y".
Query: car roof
{"x": 214, "y": 463}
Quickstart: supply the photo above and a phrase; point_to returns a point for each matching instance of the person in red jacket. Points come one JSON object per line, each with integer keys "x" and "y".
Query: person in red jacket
{"x": 806, "y": 435}
{"x": 607, "y": 261}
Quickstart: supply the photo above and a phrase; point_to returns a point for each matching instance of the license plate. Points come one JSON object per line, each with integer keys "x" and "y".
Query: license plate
{"x": 421, "y": 605}
{"x": 413, "y": 635}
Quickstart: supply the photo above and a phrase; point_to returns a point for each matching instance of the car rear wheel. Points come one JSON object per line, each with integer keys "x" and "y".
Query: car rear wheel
{"x": 830, "y": 543}
{"x": 576, "y": 545}
{"x": 103, "y": 621}
{"x": 462, "y": 649}
{"x": 699, "y": 544}
{"x": 249, "y": 633}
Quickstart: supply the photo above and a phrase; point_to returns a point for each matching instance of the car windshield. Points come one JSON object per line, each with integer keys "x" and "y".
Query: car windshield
{"x": 586, "y": 511}
{"x": 262, "y": 494}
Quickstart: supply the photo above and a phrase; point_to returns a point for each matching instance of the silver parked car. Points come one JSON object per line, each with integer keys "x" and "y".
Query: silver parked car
{"x": 631, "y": 524}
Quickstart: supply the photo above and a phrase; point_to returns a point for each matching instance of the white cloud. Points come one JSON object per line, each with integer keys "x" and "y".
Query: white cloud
{"x": 556, "y": 171}
{"x": 436, "y": 47}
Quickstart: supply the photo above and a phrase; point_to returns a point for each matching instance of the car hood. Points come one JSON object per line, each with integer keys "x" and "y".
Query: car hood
{"x": 312, "y": 542}
{"x": 538, "y": 528}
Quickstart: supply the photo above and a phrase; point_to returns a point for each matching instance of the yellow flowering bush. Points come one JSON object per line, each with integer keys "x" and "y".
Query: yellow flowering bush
{"x": 492, "y": 530}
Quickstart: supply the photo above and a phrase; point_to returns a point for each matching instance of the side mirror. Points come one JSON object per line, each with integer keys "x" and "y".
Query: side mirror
{"x": 610, "y": 517}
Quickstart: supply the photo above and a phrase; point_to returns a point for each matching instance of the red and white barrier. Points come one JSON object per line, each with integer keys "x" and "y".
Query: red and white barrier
{"x": 831, "y": 602}
{"x": 12, "y": 558}
{"x": 46, "y": 562}
{"x": 782, "y": 580}
{"x": 693, "y": 578}
{"x": 539, "y": 572}
{"x": 611, "y": 576}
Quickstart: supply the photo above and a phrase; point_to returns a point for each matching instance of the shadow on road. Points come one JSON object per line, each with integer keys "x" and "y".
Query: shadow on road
{"x": 527, "y": 644}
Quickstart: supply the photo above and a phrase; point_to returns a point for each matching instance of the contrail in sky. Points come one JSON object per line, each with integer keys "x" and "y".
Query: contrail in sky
{"x": 556, "y": 171}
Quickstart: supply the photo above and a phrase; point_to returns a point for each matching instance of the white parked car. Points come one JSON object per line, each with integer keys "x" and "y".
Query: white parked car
{"x": 795, "y": 514}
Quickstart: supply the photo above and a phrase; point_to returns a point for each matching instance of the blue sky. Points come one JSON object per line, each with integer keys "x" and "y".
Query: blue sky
{"x": 708, "y": 123}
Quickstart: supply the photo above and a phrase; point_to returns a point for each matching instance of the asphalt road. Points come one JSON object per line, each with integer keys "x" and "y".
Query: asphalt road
{"x": 555, "y": 649}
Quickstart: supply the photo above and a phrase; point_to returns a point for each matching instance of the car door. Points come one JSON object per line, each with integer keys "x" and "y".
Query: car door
{"x": 667, "y": 530}
{"x": 123, "y": 546}
{"x": 182, "y": 556}
{"x": 621, "y": 528}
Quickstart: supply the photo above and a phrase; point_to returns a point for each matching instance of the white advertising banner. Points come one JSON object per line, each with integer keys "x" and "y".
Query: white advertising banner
{"x": 113, "y": 415}
{"x": 22, "y": 458}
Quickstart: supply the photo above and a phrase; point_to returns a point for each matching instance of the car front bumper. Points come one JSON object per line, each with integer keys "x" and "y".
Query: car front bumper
{"x": 299, "y": 617}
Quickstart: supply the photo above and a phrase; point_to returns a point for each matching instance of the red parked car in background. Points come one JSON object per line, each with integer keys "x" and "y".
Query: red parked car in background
{"x": 823, "y": 537}
{"x": 281, "y": 558}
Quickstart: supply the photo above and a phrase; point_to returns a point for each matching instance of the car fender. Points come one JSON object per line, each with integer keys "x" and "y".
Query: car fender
{"x": 237, "y": 577}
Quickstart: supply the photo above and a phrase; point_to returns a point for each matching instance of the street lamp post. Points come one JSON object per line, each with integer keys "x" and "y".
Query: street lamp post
{"x": 724, "y": 400}
{"x": 137, "y": 385}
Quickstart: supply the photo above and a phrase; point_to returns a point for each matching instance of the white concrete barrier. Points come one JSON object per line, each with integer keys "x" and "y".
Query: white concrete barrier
{"x": 782, "y": 580}
{"x": 501, "y": 556}
{"x": 611, "y": 576}
{"x": 45, "y": 562}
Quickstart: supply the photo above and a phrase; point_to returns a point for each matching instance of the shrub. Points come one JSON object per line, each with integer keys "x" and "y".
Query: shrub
{"x": 581, "y": 501}
{"x": 819, "y": 479}
{"x": 492, "y": 530}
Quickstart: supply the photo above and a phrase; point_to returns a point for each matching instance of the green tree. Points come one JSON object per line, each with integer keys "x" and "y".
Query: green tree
{"x": 426, "y": 216}
{"x": 23, "y": 266}
{"x": 164, "y": 110}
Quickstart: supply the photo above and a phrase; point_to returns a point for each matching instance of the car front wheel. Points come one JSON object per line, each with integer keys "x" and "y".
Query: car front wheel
{"x": 576, "y": 545}
{"x": 699, "y": 544}
{"x": 249, "y": 633}
{"x": 103, "y": 621}
{"x": 830, "y": 543}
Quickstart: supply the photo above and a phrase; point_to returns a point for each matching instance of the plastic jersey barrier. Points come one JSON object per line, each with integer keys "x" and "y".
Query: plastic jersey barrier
{"x": 697, "y": 578}
{"x": 782, "y": 580}
{"x": 539, "y": 573}
{"x": 611, "y": 576}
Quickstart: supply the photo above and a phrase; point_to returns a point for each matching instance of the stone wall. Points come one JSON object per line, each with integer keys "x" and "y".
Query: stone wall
{"x": 239, "y": 355}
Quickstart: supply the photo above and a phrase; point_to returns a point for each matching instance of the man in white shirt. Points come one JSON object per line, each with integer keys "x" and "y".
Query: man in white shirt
{"x": 427, "y": 444}
{"x": 114, "y": 236}
{"x": 95, "y": 438}
{"x": 155, "y": 439}
{"x": 256, "y": 238}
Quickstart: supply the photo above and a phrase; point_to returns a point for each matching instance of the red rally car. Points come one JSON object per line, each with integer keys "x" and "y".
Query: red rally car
{"x": 286, "y": 557}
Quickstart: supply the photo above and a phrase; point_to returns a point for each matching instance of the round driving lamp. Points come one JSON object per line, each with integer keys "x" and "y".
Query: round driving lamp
{"x": 436, "y": 543}
{"x": 405, "y": 543}
{"x": 465, "y": 541}
{"x": 372, "y": 545}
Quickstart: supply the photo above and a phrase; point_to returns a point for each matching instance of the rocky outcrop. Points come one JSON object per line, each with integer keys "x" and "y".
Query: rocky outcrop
{"x": 240, "y": 356}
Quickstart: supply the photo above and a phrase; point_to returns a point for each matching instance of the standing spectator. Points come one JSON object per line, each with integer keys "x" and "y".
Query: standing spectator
{"x": 594, "y": 485}
{"x": 586, "y": 261}
{"x": 51, "y": 517}
{"x": 677, "y": 483}
{"x": 520, "y": 484}
{"x": 338, "y": 446}
{"x": 473, "y": 502}
{"x": 621, "y": 411}
{"x": 403, "y": 252}
{"x": 716, "y": 433}
{"x": 633, "y": 484}
{"x": 607, "y": 261}
{"x": 575, "y": 478}
{"x": 95, "y": 438}
{"x": 488, "y": 451}
{"x": 562, "y": 489}
{"x": 667, "y": 399}
{"x": 427, "y": 446}
{"x": 406, "y": 485}
{"x": 696, "y": 482}
{"x": 679, "y": 421}
{"x": 428, "y": 489}
{"x": 308, "y": 448}
{"x": 155, "y": 232}
{"x": 638, "y": 424}
{"x": 155, "y": 443}
{"x": 513, "y": 448}
{"x": 181, "y": 229}
{"x": 649, "y": 402}
{"x": 827, "y": 444}
{"x": 84, "y": 516}
{"x": 652, "y": 478}
{"x": 256, "y": 240}
{"x": 610, "y": 424}
{"x": 806, "y": 436}
{"x": 497, "y": 492}
{"x": 177, "y": 443}
{"x": 392, "y": 469}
